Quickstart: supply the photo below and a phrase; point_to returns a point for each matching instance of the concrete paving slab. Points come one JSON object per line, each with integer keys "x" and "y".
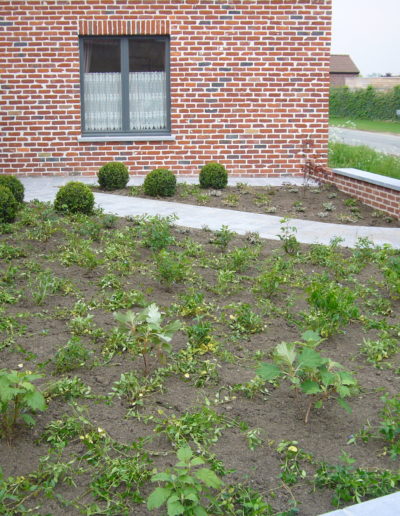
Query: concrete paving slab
{"x": 384, "y": 506}
{"x": 268, "y": 226}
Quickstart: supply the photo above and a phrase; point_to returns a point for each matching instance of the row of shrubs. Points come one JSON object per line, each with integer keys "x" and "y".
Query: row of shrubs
{"x": 76, "y": 197}
{"x": 364, "y": 104}
{"x": 160, "y": 182}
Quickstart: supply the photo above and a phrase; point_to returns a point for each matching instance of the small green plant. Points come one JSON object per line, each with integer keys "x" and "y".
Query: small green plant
{"x": 332, "y": 306}
{"x": 155, "y": 232}
{"x": 68, "y": 388}
{"x": 288, "y": 237}
{"x": 191, "y": 303}
{"x": 354, "y": 485}
{"x": 244, "y": 321}
{"x": 185, "y": 486}
{"x": 171, "y": 267}
{"x": 328, "y": 206}
{"x": 200, "y": 338}
{"x": 74, "y": 197}
{"x": 160, "y": 182}
{"x": 8, "y": 205}
{"x": 150, "y": 336}
{"x": 213, "y": 175}
{"x": 243, "y": 500}
{"x": 113, "y": 176}
{"x": 203, "y": 427}
{"x": 292, "y": 469}
{"x": 44, "y": 284}
{"x": 380, "y": 349}
{"x": 231, "y": 200}
{"x": 310, "y": 373}
{"x": 71, "y": 356}
{"x": 222, "y": 237}
{"x": 15, "y": 185}
{"x": 19, "y": 397}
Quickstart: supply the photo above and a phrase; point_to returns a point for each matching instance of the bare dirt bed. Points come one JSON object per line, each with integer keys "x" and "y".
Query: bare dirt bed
{"x": 94, "y": 449}
{"x": 324, "y": 203}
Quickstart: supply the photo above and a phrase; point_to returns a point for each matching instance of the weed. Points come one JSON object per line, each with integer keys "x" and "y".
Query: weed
{"x": 231, "y": 200}
{"x": 192, "y": 304}
{"x": 171, "y": 267}
{"x": 68, "y": 388}
{"x": 288, "y": 237}
{"x": 71, "y": 356}
{"x": 122, "y": 298}
{"x": 155, "y": 232}
{"x": 378, "y": 350}
{"x": 332, "y": 306}
{"x": 244, "y": 321}
{"x": 203, "y": 427}
{"x": 222, "y": 237}
{"x": 19, "y": 397}
{"x": 185, "y": 486}
{"x": 242, "y": 500}
{"x": 9, "y": 252}
{"x": 44, "y": 284}
{"x": 353, "y": 485}
{"x": 134, "y": 389}
{"x": 200, "y": 338}
{"x": 292, "y": 469}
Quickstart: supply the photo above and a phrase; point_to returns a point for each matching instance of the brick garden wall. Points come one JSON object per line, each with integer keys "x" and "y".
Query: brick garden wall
{"x": 249, "y": 84}
{"x": 382, "y": 198}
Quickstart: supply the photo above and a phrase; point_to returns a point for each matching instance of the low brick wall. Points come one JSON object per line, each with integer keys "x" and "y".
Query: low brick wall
{"x": 380, "y": 192}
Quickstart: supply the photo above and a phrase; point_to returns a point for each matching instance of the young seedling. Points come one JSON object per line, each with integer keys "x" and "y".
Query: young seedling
{"x": 149, "y": 335}
{"x": 18, "y": 398}
{"x": 310, "y": 373}
{"x": 185, "y": 486}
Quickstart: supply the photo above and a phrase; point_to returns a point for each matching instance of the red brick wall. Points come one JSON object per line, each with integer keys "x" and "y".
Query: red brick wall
{"x": 249, "y": 84}
{"x": 379, "y": 197}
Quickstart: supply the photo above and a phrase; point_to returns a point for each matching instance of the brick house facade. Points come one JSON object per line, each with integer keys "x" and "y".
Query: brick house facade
{"x": 245, "y": 83}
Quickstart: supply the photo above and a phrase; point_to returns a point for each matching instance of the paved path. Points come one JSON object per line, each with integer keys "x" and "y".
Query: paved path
{"x": 268, "y": 226}
{"x": 388, "y": 143}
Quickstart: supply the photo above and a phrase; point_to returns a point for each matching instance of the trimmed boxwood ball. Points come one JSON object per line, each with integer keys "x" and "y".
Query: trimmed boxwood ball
{"x": 113, "y": 175}
{"x": 15, "y": 185}
{"x": 8, "y": 205}
{"x": 213, "y": 175}
{"x": 74, "y": 197}
{"x": 160, "y": 182}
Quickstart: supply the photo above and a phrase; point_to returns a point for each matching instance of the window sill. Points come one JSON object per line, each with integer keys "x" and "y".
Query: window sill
{"x": 133, "y": 138}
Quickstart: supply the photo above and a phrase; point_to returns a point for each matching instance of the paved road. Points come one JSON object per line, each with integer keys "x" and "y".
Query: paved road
{"x": 381, "y": 142}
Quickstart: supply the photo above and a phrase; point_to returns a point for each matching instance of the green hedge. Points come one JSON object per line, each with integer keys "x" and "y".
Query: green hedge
{"x": 364, "y": 104}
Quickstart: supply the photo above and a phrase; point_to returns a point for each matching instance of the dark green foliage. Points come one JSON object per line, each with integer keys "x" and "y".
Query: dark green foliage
{"x": 74, "y": 197}
{"x": 213, "y": 175}
{"x": 15, "y": 185}
{"x": 113, "y": 175}
{"x": 8, "y": 205}
{"x": 364, "y": 104}
{"x": 160, "y": 182}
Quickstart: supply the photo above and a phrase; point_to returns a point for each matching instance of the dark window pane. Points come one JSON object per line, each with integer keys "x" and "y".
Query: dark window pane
{"x": 146, "y": 55}
{"x": 102, "y": 55}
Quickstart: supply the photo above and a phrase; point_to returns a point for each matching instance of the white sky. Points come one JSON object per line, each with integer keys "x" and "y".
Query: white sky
{"x": 369, "y": 31}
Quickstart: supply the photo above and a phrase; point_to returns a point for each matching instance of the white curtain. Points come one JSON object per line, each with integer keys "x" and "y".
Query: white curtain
{"x": 103, "y": 103}
{"x": 147, "y": 101}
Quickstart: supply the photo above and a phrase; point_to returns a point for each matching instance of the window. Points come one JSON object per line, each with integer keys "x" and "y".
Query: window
{"x": 125, "y": 85}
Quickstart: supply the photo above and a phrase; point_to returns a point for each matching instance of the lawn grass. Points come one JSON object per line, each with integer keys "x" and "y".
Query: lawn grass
{"x": 363, "y": 158}
{"x": 378, "y": 126}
